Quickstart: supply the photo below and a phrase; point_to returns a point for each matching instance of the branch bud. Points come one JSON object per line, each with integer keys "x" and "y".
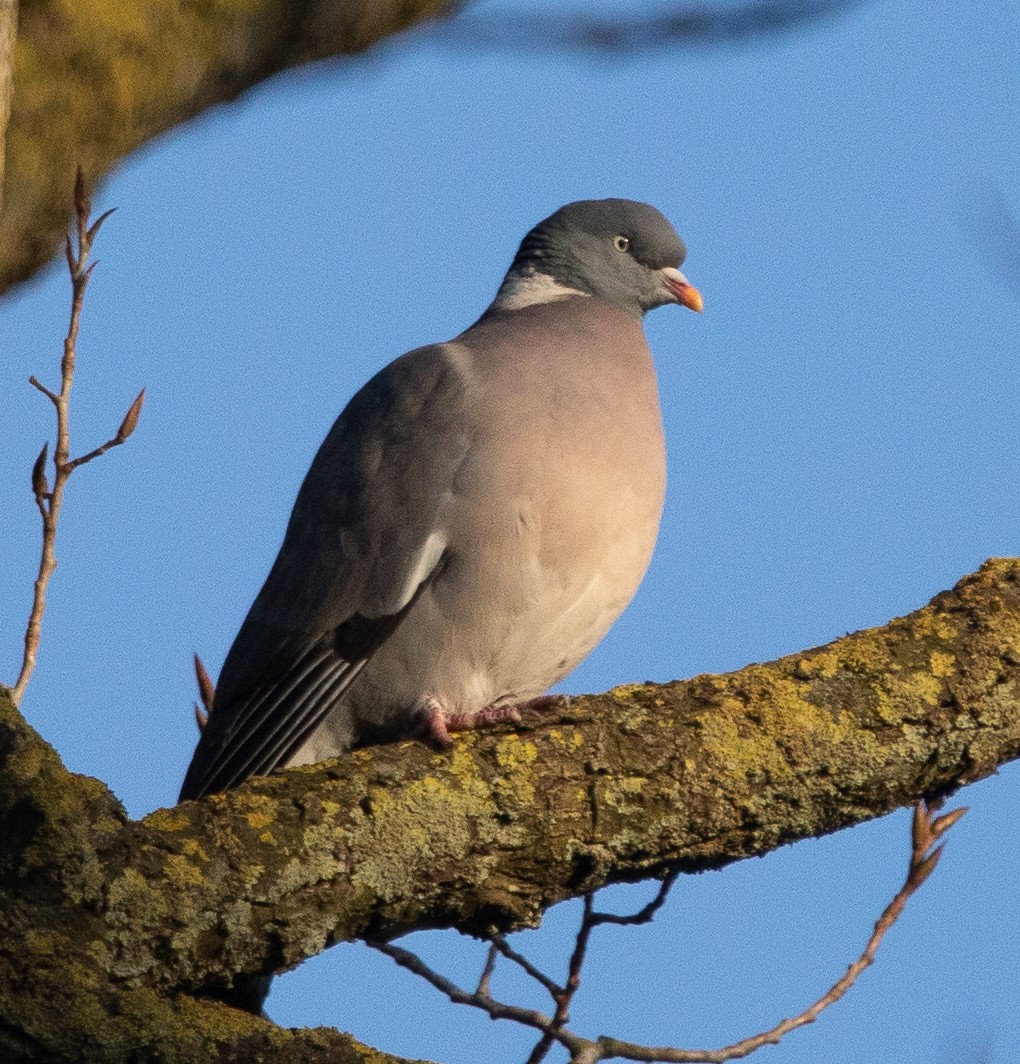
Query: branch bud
{"x": 40, "y": 485}
{"x": 206, "y": 688}
{"x": 947, "y": 820}
{"x": 97, "y": 223}
{"x": 130, "y": 422}
{"x": 82, "y": 202}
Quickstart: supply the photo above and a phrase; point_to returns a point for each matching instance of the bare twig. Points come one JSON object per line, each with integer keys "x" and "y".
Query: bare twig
{"x": 565, "y": 995}
{"x": 485, "y": 979}
{"x": 127, "y": 426}
{"x": 52, "y": 396}
{"x": 643, "y": 915}
{"x": 47, "y": 499}
{"x": 480, "y": 998}
{"x": 589, "y": 921}
{"x": 500, "y": 943}
{"x": 927, "y": 830}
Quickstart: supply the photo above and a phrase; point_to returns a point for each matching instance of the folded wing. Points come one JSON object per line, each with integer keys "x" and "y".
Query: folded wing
{"x": 365, "y": 539}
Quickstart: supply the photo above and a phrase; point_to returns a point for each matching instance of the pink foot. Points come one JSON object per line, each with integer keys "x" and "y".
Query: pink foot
{"x": 434, "y": 722}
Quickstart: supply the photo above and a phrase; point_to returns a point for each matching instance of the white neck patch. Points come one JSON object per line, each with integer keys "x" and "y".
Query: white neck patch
{"x": 525, "y": 288}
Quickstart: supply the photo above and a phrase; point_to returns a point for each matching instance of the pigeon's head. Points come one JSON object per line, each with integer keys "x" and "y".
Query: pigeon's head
{"x": 620, "y": 251}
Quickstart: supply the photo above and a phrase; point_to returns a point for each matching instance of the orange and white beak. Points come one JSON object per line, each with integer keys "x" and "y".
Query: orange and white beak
{"x": 681, "y": 290}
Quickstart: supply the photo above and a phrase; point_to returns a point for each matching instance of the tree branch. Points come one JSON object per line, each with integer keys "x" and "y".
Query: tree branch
{"x": 94, "y": 81}
{"x": 616, "y": 787}
{"x": 8, "y": 35}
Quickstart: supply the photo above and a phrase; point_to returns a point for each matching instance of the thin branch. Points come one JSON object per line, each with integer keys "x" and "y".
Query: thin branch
{"x": 500, "y": 943}
{"x": 49, "y": 501}
{"x": 127, "y": 426}
{"x": 926, "y": 831}
{"x": 485, "y": 979}
{"x": 479, "y": 999}
{"x": 592, "y": 918}
{"x": 52, "y": 396}
{"x": 643, "y": 915}
{"x": 564, "y": 996}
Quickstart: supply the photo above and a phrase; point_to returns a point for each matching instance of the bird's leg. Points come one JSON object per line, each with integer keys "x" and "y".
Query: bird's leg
{"x": 485, "y": 715}
{"x": 429, "y": 723}
{"x": 433, "y": 722}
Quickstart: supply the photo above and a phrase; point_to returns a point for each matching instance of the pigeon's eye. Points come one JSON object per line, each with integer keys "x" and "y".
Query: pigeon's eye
{"x": 621, "y": 242}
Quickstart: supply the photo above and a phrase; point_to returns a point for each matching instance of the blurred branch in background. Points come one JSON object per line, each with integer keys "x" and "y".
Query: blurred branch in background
{"x": 996, "y": 232}
{"x": 684, "y": 24}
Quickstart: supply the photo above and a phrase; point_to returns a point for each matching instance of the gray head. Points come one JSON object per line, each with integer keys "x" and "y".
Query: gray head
{"x": 620, "y": 251}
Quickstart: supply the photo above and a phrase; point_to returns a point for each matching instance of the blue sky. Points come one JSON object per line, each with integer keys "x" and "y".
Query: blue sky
{"x": 842, "y": 425}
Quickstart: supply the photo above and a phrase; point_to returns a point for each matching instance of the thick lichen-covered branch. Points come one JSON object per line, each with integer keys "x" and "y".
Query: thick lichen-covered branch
{"x": 620, "y": 786}
{"x": 54, "y": 1008}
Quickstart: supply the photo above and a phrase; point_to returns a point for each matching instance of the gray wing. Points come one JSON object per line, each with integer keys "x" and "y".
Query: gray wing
{"x": 362, "y": 543}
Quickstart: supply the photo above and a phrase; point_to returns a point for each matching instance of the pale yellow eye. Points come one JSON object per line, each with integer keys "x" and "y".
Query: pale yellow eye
{"x": 621, "y": 242}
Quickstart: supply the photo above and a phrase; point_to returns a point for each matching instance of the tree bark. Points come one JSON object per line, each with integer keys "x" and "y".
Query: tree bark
{"x": 107, "y": 925}
{"x": 8, "y": 35}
